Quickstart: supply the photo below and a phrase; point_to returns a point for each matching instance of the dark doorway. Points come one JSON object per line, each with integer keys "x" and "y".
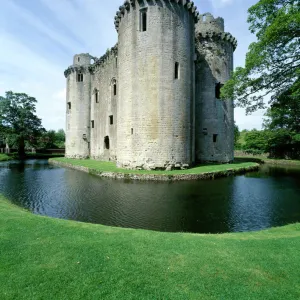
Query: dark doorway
{"x": 106, "y": 142}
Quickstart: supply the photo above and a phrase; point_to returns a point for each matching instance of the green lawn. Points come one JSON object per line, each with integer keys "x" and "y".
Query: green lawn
{"x": 44, "y": 258}
{"x": 266, "y": 160}
{"x": 4, "y": 157}
{"x": 103, "y": 166}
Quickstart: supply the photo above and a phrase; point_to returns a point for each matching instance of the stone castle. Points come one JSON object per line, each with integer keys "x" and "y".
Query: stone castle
{"x": 153, "y": 100}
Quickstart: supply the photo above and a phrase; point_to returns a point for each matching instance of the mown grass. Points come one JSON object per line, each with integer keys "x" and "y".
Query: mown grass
{"x": 4, "y": 157}
{"x": 103, "y": 166}
{"x": 44, "y": 258}
{"x": 275, "y": 161}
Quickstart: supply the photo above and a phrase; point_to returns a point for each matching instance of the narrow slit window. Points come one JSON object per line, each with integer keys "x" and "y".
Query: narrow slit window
{"x": 78, "y": 59}
{"x": 144, "y": 20}
{"x": 131, "y": 131}
{"x": 111, "y": 120}
{"x": 96, "y": 98}
{"x": 219, "y": 85}
{"x": 176, "y": 70}
{"x": 79, "y": 77}
{"x": 69, "y": 105}
{"x": 215, "y": 138}
{"x": 115, "y": 89}
{"x": 93, "y": 123}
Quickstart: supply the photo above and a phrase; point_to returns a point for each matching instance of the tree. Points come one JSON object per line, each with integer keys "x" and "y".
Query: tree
{"x": 257, "y": 140}
{"x": 19, "y": 121}
{"x": 284, "y": 113}
{"x": 283, "y": 120}
{"x": 237, "y": 134}
{"x": 60, "y": 138}
{"x": 272, "y": 63}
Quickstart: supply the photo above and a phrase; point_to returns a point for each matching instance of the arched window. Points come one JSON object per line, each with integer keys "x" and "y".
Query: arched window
{"x": 79, "y": 77}
{"x": 114, "y": 87}
{"x": 96, "y": 92}
{"x": 106, "y": 142}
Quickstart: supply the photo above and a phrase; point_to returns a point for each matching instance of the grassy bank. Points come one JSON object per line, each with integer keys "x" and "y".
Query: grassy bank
{"x": 266, "y": 160}
{"x": 44, "y": 258}
{"x": 103, "y": 166}
{"x": 4, "y": 157}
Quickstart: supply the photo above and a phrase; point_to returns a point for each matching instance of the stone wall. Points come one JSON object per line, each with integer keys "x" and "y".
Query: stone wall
{"x": 215, "y": 120}
{"x": 131, "y": 107}
{"x": 105, "y": 111}
{"x": 78, "y": 108}
{"x": 155, "y": 119}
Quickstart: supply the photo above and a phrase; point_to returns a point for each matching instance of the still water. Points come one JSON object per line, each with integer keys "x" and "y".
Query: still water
{"x": 257, "y": 200}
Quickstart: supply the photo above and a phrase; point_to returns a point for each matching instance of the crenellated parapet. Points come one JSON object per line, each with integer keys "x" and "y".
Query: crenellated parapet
{"x": 81, "y": 63}
{"x": 224, "y": 36}
{"x": 76, "y": 69}
{"x": 131, "y": 4}
{"x": 210, "y": 28}
{"x": 99, "y": 62}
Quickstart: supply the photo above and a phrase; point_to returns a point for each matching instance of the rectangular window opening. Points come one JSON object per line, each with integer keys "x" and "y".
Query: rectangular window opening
{"x": 176, "y": 70}
{"x": 111, "y": 120}
{"x": 215, "y": 137}
{"x": 131, "y": 131}
{"x": 69, "y": 105}
{"x": 93, "y": 123}
{"x": 115, "y": 89}
{"x": 96, "y": 97}
{"x": 218, "y": 87}
{"x": 143, "y": 20}
{"x": 79, "y": 77}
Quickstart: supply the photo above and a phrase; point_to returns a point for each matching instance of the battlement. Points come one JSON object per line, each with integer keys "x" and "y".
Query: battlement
{"x": 208, "y": 23}
{"x": 225, "y": 36}
{"x": 131, "y": 4}
{"x": 104, "y": 58}
{"x": 81, "y": 63}
{"x": 209, "y": 27}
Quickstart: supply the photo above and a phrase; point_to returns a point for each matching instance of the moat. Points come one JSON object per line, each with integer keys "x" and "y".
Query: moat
{"x": 257, "y": 200}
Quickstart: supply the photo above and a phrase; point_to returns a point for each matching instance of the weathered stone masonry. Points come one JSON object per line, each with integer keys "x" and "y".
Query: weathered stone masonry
{"x": 151, "y": 102}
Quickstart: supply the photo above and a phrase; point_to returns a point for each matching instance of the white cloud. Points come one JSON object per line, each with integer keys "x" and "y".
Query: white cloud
{"x": 249, "y": 121}
{"x": 221, "y": 3}
{"x": 75, "y": 26}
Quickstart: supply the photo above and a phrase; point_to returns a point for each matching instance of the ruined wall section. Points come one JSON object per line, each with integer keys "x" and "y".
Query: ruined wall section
{"x": 104, "y": 93}
{"x": 155, "y": 110}
{"x": 214, "y": 117}
{"x": 78, "y": 107}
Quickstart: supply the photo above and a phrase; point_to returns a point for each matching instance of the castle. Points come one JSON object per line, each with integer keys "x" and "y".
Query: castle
{"x": 153, "y": 100}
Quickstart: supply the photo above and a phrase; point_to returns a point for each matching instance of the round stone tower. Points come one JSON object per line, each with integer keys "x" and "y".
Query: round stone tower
{"x": 78, "y": 107}
{"x": 156, "y": 51}
{"x": 215, "y": 117}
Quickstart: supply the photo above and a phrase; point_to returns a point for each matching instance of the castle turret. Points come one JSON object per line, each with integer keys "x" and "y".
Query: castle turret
{"x": 214, "y": 117}
{"x": 78, "y": 107}
{"x": 156, "y": 83}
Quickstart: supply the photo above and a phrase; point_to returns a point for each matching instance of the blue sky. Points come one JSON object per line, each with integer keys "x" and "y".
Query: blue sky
{"x": 38, "y": 39}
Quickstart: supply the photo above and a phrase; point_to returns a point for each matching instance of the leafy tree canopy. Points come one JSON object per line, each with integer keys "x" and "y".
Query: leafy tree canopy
{"x": 18, "y": 120}
{"x": 52, "y": 139}
{"x": 272, "y": 63}
{"x": 284, "y": 113}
